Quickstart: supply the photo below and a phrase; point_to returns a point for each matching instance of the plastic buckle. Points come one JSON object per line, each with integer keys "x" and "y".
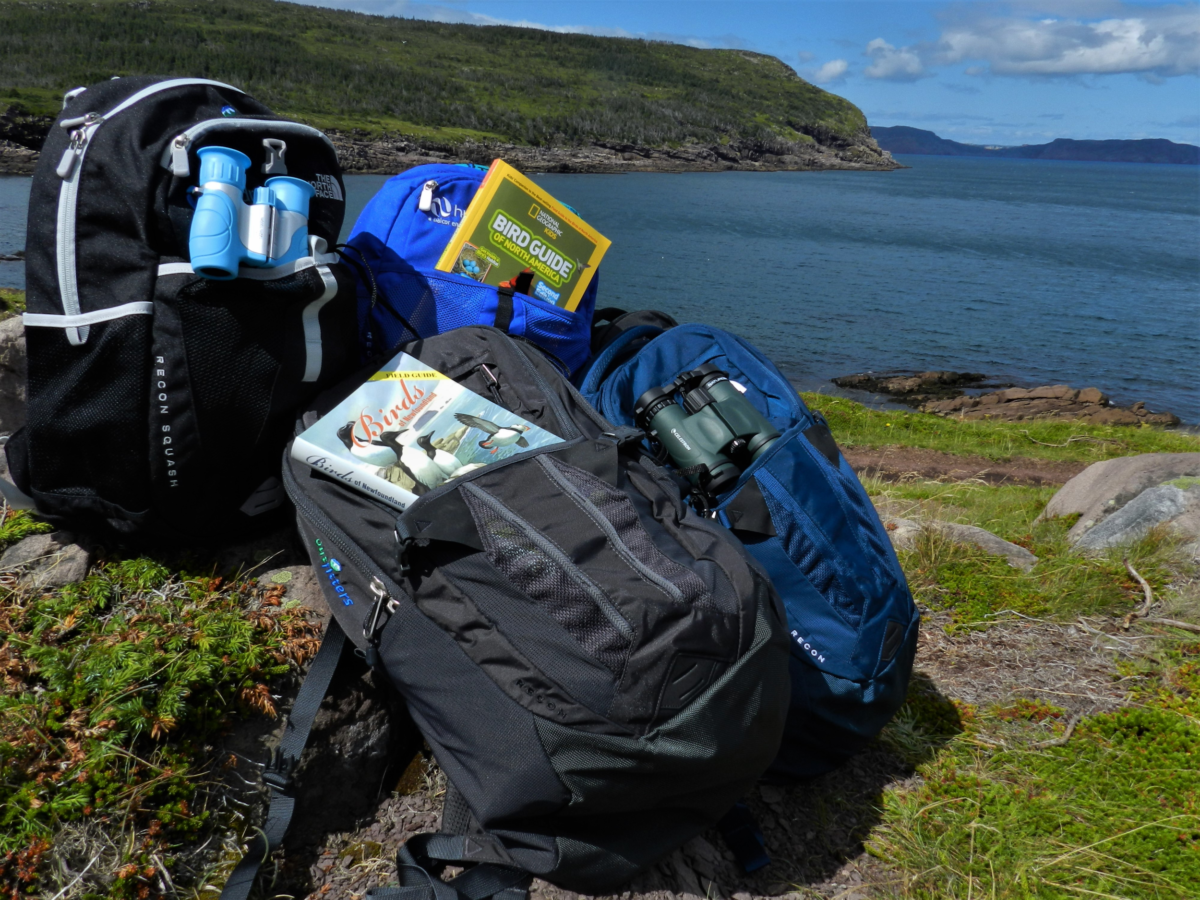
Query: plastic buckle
{"x": 277, "y": 773}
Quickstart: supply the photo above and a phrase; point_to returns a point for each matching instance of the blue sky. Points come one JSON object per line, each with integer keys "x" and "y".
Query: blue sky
{"x": 981, "y": 72}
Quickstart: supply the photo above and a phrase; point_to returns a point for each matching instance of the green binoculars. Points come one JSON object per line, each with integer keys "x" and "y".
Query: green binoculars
{"x": 713, "y": 435}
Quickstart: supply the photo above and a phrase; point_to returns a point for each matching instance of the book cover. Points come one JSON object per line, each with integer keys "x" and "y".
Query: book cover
{"x": 409, "y": 429}
{"x": 514, "y": 225}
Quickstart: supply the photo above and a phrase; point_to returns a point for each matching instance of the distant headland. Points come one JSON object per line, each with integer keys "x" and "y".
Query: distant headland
{"x": 902, "y": 139}
{"x": 393, "y": 92}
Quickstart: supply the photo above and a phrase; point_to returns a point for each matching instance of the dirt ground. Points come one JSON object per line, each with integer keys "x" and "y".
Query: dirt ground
{"x": 893, "y": 463}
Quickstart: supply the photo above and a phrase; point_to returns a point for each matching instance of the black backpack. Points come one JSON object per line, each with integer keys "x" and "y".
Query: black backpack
{"x": 600, "y": 672}
{"x": 159, "y": 401}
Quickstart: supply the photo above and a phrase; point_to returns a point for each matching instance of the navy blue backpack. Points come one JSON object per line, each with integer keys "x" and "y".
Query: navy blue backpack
{"x": 801, "y": 512}
{"x": 400, "y": 235}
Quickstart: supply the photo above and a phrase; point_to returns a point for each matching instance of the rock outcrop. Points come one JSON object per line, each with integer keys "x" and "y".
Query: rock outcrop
{"x": 1163, "y": 505}
{"x": 1051, "y": 401}
{"x": 945, "y": 394}
{"x": 913, "y": 388}
{"x": 12, "y": 375}
{"x": 1120, "y": 500}
{"x": 389, "y": 154}
{"x": 46, "y": 561}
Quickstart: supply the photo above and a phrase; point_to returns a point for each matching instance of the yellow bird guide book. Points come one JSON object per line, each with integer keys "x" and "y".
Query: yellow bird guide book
{"x": 512, "y": 226}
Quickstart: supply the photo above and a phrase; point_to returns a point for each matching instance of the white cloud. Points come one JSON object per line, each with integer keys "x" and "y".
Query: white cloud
{"x": 1155, "y": 41}
{"x": 831, "y": 72}
{"x": 893, "y": 63}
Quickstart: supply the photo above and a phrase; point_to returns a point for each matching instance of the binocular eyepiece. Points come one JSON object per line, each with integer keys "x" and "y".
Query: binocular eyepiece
{"x": 228, "y": 232}
{"x": 713, "y": 435}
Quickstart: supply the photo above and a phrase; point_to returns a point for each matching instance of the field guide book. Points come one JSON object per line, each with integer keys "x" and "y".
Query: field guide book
{"x": 409, "y": 429}
{"x": 513, "y": 225}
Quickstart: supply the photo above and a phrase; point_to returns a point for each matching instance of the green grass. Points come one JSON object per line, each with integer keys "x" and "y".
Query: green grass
{"x": 1114, "y": 812}
{"x": 423, "y": 78}
{"x": 855, "y": 425}
{"x": 974, "y": 586}
{"x": 112, "y": 686}
{"x": 12, "y": 302}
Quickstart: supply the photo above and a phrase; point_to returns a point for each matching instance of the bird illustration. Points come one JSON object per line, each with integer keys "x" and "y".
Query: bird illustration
{"x": 414, "y": 462}
{"x": 376, "y": 453}
{"x": 463, "y": 470}
{"x": 447, "y": 462}
{"x": 498, "y": 435}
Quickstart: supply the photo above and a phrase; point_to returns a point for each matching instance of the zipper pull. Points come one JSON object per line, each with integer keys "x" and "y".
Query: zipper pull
{"x": 79, "y": 138}
{"x": 425, "y": 204}
{"x": 180, "y": 167}
{"x": 493, "y": 383}
{"x": 70, "y": 157}
{"x": 371, "y": 631}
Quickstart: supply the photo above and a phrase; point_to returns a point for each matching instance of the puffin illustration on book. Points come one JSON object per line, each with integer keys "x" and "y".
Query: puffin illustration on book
{"x": 403, "y": 433}
{"x": 498, "y": 435}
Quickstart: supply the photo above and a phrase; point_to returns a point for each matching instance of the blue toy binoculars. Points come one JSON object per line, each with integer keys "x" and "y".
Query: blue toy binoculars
{"x": 227, "y": 232}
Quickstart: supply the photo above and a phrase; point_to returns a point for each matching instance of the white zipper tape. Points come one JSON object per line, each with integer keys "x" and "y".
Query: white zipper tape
{"x": 175, "y": 269}
{"x": 82, "y": 320}
{"x": 256, "y": 274}
{"x": 69, "y": 169}
{"x": 175, "y": 154}
{"x": 312, "y": 326}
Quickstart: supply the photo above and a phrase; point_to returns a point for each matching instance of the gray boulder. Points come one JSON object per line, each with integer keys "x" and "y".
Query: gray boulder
{"x": 1018, "y": 557}
{"x": 904, "y": 533}
{"x": 12, "y": 375}
{"x": 1104, "y": 487}
{"x": 1165, "y": 504}
{"x": 47, "y": 561}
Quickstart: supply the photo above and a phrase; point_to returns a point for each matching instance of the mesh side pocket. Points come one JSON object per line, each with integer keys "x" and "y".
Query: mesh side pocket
{"x": 540, "y": 570}
{"x": 810, "y": 554}
{"x": 629, "y": 533}
{"x": 87, "y": 412}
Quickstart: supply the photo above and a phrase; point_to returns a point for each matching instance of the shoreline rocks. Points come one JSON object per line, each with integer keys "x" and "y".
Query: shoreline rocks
{"x": 945, "y": 394}
{"x": 21, "y": 137}
{"x": 1051, "y": 401}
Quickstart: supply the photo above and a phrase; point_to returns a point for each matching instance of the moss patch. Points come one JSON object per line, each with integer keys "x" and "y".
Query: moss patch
{"x": 111, "y": 687}
{"x": 12, "y": 302}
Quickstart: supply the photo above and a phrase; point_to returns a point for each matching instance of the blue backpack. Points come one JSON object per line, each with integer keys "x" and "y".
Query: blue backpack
{"x": 801, "y": 512}
{"x": 400, "y": 235}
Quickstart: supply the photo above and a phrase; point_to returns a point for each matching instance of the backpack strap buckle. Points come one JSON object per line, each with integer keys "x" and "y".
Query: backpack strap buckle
{"x": 277, "y": 773}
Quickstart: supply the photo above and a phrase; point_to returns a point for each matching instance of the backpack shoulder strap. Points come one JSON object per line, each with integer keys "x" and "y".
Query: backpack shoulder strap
{"x": 278, "y": 771}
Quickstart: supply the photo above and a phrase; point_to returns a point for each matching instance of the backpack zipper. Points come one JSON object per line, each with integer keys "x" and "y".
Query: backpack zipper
{"x": 425, "y": 204}
{"x": 83, "y": 129}
{"x": 175, "y": 154}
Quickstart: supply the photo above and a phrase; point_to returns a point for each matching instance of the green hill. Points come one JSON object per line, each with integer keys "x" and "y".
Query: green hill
{"x": 427, "y": 80}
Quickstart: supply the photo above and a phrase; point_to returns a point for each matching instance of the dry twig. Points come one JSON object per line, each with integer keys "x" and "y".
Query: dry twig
{"x": 1064, "y": 737}
{"x": 1173, "y": 623}
{"x": 1079, "y": 437}
{"x": 1149, "y": 602}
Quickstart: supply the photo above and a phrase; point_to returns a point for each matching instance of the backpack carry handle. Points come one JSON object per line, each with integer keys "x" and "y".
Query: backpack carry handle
{"x": 420, "y": 862}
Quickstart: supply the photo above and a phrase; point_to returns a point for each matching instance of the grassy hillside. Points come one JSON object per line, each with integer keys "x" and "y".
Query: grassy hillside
{"x": 341, "y": 69}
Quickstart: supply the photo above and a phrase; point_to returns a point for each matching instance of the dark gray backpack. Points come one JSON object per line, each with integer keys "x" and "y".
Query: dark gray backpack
{"x": 600, "y": 672}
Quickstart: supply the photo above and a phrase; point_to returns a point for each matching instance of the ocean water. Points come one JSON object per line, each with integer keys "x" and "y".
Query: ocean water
{"x": 1030, "y": 271}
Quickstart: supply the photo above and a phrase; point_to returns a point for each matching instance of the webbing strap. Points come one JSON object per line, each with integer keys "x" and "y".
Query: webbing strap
{"x": 743, "y": 836}
{"x": 419, "y": 862}
{"x": 278, "y": 771}
{"x": 504, "y": 309}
